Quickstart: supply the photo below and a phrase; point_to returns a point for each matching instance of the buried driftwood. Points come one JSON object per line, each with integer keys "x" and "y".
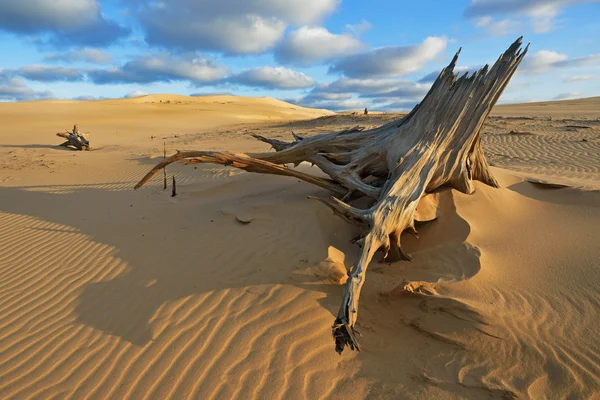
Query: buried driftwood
{"x": 75, "y": 139}
{"x": 437, "y": 144}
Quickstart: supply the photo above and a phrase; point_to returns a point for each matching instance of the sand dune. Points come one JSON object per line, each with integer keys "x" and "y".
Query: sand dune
{"x": 228, "y": 290}
{"x": 588, "y": 109}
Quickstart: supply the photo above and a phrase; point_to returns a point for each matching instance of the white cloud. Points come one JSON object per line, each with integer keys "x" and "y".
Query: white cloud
{"x": 541, "y": 61}
{"x": 592, "y": 60}
{"x": 342, "y": 94}
{"x": 272, "y": 78}
{"x": 580, "y": 78}
{"x": 374, "y": 88}
{"x": 245, "y": 35}
{"x": 546, "y": 60}
{"x": 162, "y": 67}
{"x": 89, "y": 98}
{"x": 69, "y": 22}
{"x": 542, "y": 17}
{"x": 15, "y": 89}
{"x": 332, "y": 104}
{"x": 543, "y": 8}
{"x": 135, "y": 93}
{"x": 318, "y": 96}
{"x": 541, "y": 14}
{"x": 358, "y": 29}
{"x": 43, "y": 73}
{"x": 88, "y": 55}
{"x": 498, "y": 27}
{"x": 228, "y": 26}
{"x": 398, "y": 106}
{"x": 483, "y": 21}
{"x": 568, "y": 96}
{"x": 309, "y": 45}
{"x": 390, "y": 61}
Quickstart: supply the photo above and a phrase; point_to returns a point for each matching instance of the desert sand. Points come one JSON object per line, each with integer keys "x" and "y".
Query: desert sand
{"x": 229, "y": 289}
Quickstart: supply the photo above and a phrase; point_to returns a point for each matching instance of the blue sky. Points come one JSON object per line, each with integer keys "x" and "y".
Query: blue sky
{"x": 337, "y": 54}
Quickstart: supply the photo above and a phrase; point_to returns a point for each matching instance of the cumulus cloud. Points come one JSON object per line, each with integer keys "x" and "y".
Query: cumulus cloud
{"x": 346, "y": 93}
{"x": 501, "y": 27}
{"x": 546, "y": 60}
{"x": 324, "y": 96}
{"x": 162, "y": 67}
{"x": 228, "y": 26}
{"x": 89, "y": 98}
{"x": 135, "y": 93}
{"x": 88, "y": 55}
{"x": 541, "y": 61}
{"x": 331, "y": 104}
{"x": 43, "y": 73}
{"x": 399, "y": 106}
{"x": 479, "y": 8}
{"x": 408, "y": 90}
{"x": 580, "y": 78}
{"x": 309, "y": 45}
{"x": 390, "y": 61}
{"x": 15, "y": 89}
{"x": 62, "y": 22}
{"x": 272, "y": 78}
{"x": 541, "y": 14}
{"x": 247, "y": 35}
{"x": 358, "y": 29}
{"x": 567, "y": 96}
{"x": 592, "y": 60}
{"x": 371, "y": 88}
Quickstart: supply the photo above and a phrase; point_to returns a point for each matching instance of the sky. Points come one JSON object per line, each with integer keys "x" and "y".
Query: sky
{"x": 334, "y": 54}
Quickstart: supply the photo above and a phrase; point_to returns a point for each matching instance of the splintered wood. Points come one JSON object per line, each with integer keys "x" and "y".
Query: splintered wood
{"x": 437, "y": 144}
{"x": 75, "y": 139}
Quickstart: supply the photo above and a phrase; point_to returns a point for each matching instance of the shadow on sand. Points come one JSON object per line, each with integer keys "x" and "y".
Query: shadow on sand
{"x": 36, "y": 146}
{"x": 175, "y": 248}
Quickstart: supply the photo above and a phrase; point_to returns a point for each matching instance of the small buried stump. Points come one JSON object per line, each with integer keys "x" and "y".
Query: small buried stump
{"x": 75, "y": 139}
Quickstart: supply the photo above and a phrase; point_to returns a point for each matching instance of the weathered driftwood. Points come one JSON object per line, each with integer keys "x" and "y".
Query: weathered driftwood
{"x": 75, "y": 139}
{"x": 437, "y": 144}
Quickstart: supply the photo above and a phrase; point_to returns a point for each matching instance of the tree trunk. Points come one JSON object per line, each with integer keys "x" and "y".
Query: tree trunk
{"x": 437, "y": 144}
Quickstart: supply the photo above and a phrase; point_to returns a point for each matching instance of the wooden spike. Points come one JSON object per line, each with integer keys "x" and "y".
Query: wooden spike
{"x": 165, "y": 168}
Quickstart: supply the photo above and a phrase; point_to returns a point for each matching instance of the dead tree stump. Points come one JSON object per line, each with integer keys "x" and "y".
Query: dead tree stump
{"x": 437, "y": 144}
{"x": 74, "y": 139}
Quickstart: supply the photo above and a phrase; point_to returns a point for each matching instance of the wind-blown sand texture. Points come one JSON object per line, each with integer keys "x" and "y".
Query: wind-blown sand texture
{"x": 110, "y": 293}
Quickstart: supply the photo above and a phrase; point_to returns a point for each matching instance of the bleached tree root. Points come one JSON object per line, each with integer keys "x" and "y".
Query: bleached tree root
{"x": 241, "y": 161}
{"x": 437, "y": 144}
{"x": 74, "y": 139}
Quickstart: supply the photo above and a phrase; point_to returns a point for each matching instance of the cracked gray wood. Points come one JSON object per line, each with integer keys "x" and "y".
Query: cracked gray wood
{"x": 74, "y": 139}
{"x": 437, "y": 144}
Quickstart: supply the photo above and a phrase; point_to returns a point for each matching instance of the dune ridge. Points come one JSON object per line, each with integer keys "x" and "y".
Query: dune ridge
{"x": 228, "y": 290}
